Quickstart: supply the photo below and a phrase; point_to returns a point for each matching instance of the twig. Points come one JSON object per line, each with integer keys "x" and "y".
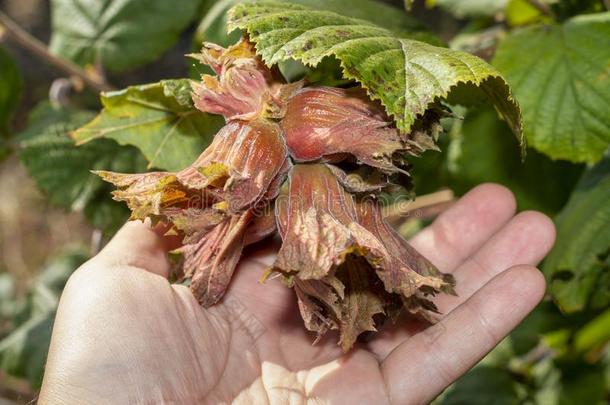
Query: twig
{"x": 542, "y": 7}
{"x": 23, "y": 38}
{"x": 14, "y": 390}
{"x": 434, "y": 210}
{"x": 427, "y": 206}
{"x": 97, "y": 240}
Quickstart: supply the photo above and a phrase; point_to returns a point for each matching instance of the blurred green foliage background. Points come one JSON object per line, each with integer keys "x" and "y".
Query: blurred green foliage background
{"x": 56, "y": 56}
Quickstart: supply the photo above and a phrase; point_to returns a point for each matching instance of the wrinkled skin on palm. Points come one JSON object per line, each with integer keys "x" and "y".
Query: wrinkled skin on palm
{"x": 308, "y": 163}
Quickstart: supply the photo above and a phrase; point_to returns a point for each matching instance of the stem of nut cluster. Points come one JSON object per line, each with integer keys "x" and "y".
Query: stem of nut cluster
{"x": 12, "y": 30}
{"x": 427, "y": 206}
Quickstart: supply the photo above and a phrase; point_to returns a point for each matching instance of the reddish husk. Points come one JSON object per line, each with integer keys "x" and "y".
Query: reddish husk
{"x": 308, "y": 162}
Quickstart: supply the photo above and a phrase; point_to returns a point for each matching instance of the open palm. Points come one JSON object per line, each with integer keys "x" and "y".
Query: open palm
{"x": 123, "y": 334}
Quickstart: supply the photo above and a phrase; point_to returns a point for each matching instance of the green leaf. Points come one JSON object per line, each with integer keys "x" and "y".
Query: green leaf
{"x": 180, "y": 90}
{"x": 545, "y": 318}
{"x": 544, "y": 385}
{"x": 213, "y": 26}
{"x": 522, "y": 12}
{"x": 483, "y": 385}
{"x": 119, "y": 34}
{"x": 564, "y": 9}
{"x": 594, "y": 334}
{"x": 470, "y": 8}
{"x": 404, "y": 74}
{"x": 10, "y": 88}
{"x": 62, "y": 170}
{"x": 561, "y": 76}
{"x": 606, "y": 363}
{"x": 155, "y": 119}
{"x": 481, "y": 152}
{"x": 375, "y": 11}
{"x": 582, "y": 383}
{"x": 578, "y": 267}
{"x": 23, "y": 352}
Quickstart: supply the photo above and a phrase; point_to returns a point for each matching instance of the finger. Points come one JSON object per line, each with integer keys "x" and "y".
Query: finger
{"x": 452, "y": 237}
{"x": 424, "y": 365}
{"x": 526, "y": 239}
{"x": 137, "y": 244}
{"x": 464, "y": 227}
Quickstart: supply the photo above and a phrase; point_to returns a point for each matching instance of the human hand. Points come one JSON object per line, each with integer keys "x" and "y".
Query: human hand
{"x": 124, "y": 334}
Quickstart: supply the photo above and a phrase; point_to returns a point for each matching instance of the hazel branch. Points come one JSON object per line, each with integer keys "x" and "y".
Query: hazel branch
{"x": 428, "y": 206}
{"x": 12, "y": 30}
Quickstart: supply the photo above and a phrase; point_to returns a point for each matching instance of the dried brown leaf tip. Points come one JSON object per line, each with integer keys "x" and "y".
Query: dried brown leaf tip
{"x": 346, "y": 263}
{"x": 310, "y": 163}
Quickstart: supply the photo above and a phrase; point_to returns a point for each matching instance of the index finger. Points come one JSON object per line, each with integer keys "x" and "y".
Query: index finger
{"x": 465, "y": 226}
{"x": 421, "y": 367}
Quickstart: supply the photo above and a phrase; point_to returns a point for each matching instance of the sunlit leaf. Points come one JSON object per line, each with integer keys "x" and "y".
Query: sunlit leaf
{"x": 213, "y": 26}
{"x": 158, "y": 120}
{"x": 560, "y": 75}
{"x": 404, "y": 74}
{"x": 522, "y": 12}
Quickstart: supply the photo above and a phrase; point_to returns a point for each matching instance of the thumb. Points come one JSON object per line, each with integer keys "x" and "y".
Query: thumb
{"x": 138, "y": 244}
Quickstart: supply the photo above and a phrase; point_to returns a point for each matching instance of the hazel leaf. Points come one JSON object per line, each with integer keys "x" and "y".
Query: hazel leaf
{"x": 118, "y": 34}
{"x": 405, "y": 75}
{"x": 560, "y": 76}
{"x": 212, "y": 26}
{"x": 156, "y": 119}
{"x": 62, "y": 170}
{"x": 579, "y": 264}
